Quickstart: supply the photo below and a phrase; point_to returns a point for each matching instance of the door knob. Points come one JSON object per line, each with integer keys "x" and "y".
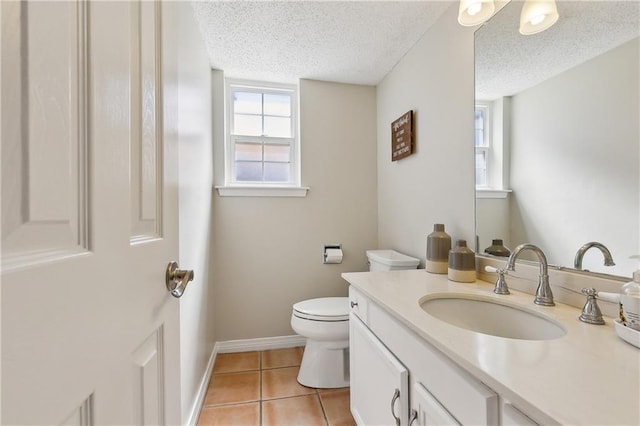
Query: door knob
{"x": 177, "y": 279}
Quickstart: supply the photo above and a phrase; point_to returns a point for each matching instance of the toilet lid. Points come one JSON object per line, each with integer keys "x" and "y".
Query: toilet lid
{"x": 323, "y": 309}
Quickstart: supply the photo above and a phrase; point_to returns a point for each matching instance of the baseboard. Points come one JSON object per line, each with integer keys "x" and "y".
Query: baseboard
{"x": 202, "y": 389}
{"x": 246, "y": 345}
{"x": 260, "y": 344}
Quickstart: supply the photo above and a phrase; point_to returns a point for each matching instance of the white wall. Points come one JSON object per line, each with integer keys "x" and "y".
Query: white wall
{"x": 436, "y": 184}
{"x": 267, "y": 252}
{"x": 492, "y": 214}
{"x": 574, "y": 161}
{"x": 195, "y": 179}
{"x": 492, "y": 222}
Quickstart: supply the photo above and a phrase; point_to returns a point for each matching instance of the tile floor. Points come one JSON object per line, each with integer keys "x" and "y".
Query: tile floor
{"x": 260, "y": 388}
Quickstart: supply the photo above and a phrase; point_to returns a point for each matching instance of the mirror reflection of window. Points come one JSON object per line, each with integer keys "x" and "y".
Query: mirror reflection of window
{"x": 482, "y": 145}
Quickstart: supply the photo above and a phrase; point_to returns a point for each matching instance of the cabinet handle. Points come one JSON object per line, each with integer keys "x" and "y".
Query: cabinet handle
{"x": 354, "y": 304}
{"x": 413, "y": 417}
{"x": 396, "y": 395}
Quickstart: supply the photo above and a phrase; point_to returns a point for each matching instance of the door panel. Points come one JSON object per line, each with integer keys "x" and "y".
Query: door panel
{"x": 44, "y": 94}
{"x": 148, "y": 386}
{"x": 146, "y": 121}
{"x": 89, "y": 332}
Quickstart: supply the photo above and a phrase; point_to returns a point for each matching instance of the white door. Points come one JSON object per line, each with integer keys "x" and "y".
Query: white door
{"x": 89, "y": 214}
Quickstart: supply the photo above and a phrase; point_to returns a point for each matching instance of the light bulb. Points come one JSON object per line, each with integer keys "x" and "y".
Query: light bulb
{"x": 537, "y": 19}
{"x": 537, "y": 16}
{"x": 474, "y": 8}
{"x": 475, "y": 12}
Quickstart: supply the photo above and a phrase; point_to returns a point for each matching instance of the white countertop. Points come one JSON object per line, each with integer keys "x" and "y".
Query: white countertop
{"x": 588, "y": 377}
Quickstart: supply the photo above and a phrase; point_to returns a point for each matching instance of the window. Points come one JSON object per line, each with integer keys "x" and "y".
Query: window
{"x": 482, "y": 145}
{"x": 492, "y": 141}
{"x": 262, "y": 146}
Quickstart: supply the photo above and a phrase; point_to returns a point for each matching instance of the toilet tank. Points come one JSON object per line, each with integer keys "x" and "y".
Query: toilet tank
{"x": 390, "y": 260}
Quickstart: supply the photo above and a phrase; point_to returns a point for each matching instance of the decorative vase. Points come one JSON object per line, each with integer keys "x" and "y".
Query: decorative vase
{"x": 497, "y": 249}
{"x": 462, "y": 263}
{"x": 438, "y": 246}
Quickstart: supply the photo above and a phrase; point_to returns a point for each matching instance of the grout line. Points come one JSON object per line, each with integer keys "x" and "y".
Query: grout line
{"x": 260, "y": 419}
{"x": 287, "y": 397}
{"x": 324, "y": 413}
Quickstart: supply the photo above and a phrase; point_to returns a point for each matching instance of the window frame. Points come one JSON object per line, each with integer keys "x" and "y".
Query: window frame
{"x": 487, "y": 131}
{"x": 232, "y": 138}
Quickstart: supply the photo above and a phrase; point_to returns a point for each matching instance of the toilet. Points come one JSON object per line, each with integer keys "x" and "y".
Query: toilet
{"x": 325, "y": 323}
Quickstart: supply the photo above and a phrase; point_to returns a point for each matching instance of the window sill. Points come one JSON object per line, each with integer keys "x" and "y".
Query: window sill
{"x": 262, "y": 191}
{"x": 492, "y": 193}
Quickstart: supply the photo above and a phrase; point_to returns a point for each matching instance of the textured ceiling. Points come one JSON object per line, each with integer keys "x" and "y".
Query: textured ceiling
{"x": 360, "y": 41}
{"x": 343, "y": 41}
{"x": 507, "y": 62}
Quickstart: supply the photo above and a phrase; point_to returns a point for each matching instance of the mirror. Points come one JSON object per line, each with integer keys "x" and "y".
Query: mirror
{"x": 563, "y": 117}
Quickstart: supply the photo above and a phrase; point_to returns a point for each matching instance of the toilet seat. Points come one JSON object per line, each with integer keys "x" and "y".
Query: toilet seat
{"x": 323, "y": 309}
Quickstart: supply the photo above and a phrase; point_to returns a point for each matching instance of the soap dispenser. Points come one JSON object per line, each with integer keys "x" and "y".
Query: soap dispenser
{"x": 630, "y": 302}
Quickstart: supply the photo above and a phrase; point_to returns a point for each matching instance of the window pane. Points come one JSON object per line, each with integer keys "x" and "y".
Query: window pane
{"x": 479, "y": 137}
{"x": 276, "y": 172}
{"x": 248, "y": 152}
{"x": 279, "y": 153}
{"x": 277, "y": 127}
{"x": 481, "y": 168}
{"x": 248, "y": 125}
{"x": 277, "y": 105}
{"x": 479, "y": 128}
{"x": 248, "y": 172}
{"x": 247, "y": 103}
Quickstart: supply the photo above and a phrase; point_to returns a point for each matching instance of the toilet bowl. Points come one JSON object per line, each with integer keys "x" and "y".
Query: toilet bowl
{"x": 325, "y": 323}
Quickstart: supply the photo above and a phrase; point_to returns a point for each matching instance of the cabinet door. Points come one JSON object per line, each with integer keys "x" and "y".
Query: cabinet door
{"x": 379, "y": 382}
{"x": 511, "y": 416}
{"x": 427, "y": 411}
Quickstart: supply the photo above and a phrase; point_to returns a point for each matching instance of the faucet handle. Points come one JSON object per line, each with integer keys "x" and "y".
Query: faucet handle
{"x": 501, "y": 283}
{"x": 591, "y": 313}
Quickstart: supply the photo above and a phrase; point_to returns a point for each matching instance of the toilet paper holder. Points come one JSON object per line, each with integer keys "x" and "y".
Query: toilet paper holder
{"x": 332, "y": 253}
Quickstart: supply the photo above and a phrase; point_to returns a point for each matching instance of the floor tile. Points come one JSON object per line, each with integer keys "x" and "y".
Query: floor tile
{"x": 302, "y": 410}
{"x": 282, "y": 383}
{"x": 335, "y": 404}
{"x": 241, "y": 361}
{"x": 277, "y": 358}
{"x": 254, "y": 388}
{"x": 233, "y": 388}
{"x": 231, "y": 415}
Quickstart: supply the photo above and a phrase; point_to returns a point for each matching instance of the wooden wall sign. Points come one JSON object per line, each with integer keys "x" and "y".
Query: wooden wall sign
{"x": 402, "y": 136}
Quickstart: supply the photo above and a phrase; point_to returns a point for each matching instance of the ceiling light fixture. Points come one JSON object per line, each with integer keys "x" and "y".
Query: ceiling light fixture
{"x": 537, "y": 16}
{"x": 475, "y": 12}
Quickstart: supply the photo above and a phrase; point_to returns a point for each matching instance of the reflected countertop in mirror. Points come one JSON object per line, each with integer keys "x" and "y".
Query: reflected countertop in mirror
{"x": 563, "y": 121}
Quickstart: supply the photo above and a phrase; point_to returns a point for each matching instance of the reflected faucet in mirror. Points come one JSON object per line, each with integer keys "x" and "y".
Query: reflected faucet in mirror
{"x": 608, "y": 259}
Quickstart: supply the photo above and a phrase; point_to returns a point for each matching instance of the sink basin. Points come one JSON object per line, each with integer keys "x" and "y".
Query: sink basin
{"x": 488, "y": 316}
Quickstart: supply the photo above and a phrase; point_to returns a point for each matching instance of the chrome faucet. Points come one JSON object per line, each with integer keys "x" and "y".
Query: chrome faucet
{"x": 544, "y": 296}
{"x": 608, "y": 259}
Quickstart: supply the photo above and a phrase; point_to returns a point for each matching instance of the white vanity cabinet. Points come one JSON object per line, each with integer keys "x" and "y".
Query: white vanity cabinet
{"x": 383, "y": 352}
